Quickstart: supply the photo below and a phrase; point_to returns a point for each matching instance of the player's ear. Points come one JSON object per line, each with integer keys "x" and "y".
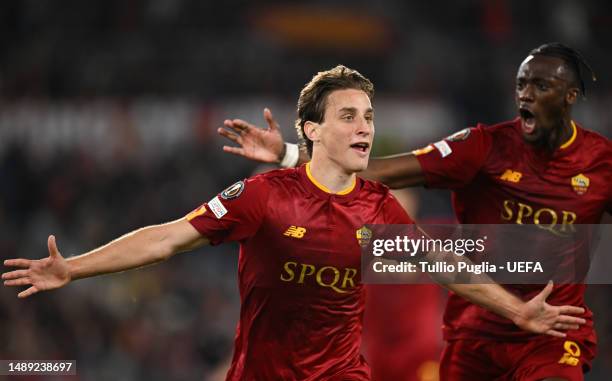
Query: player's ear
{"x": 571, "y": 96}
{"x": 312, "y": 131}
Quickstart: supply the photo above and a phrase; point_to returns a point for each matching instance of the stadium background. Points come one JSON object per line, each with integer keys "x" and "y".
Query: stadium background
{"x": 108, "y": 112}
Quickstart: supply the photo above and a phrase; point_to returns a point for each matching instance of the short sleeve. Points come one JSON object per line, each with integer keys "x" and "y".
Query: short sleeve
{"x": 455, "y": 160}
{"x": 234, "y": 214}
{"x": 394, "y": 213}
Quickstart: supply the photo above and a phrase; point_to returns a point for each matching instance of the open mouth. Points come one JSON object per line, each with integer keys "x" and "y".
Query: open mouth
{"x": 529, "y": 122}
{"x": 362, "y": 147}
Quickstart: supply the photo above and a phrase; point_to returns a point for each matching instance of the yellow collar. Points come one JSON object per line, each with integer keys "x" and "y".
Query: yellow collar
{"x": 571, "y": 140}
{"x": 326, "y": 189}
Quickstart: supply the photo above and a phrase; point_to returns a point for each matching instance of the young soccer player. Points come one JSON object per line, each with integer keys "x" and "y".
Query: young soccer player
{"x": 299, "y": 267}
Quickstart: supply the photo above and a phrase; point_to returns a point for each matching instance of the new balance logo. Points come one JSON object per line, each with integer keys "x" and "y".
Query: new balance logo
{"x": 512, "y": 176}
{"x": 295, "y": 232}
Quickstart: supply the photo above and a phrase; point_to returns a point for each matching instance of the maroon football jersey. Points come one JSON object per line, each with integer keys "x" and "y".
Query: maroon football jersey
{"x": 497, "y": 178}
{"x": 302, "y": 300}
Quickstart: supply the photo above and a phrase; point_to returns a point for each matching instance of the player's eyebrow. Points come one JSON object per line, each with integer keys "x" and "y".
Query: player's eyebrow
{"x": 537, "y": 78}
{"x": 354, "y": 110}
{"x": 348, "y": 109}
{"x": 544, "y": 79}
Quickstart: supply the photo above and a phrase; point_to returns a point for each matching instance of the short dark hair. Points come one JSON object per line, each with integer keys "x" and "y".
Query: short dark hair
{"x": 313, "y": 97}
{"x": 572, "y": 58}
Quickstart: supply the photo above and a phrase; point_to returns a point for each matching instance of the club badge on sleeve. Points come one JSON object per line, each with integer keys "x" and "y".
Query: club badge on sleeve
{"x": 459, "y": 135}
{"x": 233, "y": 191}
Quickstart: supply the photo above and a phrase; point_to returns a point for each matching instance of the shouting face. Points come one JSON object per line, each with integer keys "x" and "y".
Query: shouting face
{"x": 545, "y": 90}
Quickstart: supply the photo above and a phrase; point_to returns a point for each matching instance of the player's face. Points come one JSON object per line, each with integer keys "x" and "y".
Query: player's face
{"x": 543, "y": 97}
{"x": 347, "y": 130}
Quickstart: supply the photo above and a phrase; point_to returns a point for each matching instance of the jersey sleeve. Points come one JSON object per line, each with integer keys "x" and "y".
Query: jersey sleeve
{"x": 455, "y": 160}
{"x": 234, "y": 214}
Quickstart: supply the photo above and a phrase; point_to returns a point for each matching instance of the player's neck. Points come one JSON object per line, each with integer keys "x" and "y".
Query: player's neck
{"x": 328, "y": 174}
{"x": 563, "y": 136}
{"x": 567, "y": 132}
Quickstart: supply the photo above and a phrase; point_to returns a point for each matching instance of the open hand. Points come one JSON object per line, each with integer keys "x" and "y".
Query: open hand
{"x": 41, "y": 274}
{"x": 540, "y": 317}
{"x": 259, "y": 144}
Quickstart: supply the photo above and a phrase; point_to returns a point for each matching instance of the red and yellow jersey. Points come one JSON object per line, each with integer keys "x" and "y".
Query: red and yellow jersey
{"x": 497, "y": 178}
{"x": 299, "y": 268}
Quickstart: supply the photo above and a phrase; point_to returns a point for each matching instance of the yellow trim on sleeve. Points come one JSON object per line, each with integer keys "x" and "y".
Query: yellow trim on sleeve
{"x": 571, "y": 140}
{"x": 326, "y": 189}
{"x": 198, "y": 212}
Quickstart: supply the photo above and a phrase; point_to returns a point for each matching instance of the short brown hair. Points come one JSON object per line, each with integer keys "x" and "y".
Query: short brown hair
{"x": 313, "y": 97}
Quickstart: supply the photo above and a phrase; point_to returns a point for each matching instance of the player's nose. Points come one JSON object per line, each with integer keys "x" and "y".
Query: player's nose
{"x": 364, "y": 127}
{"x": 526, "y": 94}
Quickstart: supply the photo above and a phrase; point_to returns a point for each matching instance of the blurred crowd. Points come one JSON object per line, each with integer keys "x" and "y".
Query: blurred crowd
{"x": 170, "y": 322}
{"x": 108, "y": 111}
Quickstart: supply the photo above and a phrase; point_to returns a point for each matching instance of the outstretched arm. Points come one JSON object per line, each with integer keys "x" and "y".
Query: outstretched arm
{"x": 534, "y": 315}
{"x": 266, "y": 145}
{"x": 396, "y": 172}
{"x": 144, "y": 246}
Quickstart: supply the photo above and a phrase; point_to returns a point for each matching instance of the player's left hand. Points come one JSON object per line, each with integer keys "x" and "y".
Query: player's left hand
{"x": 540, "y": 317}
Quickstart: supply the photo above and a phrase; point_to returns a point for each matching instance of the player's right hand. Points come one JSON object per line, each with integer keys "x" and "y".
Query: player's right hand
{"x": 259, "y": 144}
{"x": 41, "y": 274}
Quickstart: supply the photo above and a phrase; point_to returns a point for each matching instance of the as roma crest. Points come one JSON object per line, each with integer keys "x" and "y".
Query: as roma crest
{"x": 364, "y": 235}
{"x": 233, "y": 191}
{"x": 580, "y": 184}
{"x": 459, "y": 135}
